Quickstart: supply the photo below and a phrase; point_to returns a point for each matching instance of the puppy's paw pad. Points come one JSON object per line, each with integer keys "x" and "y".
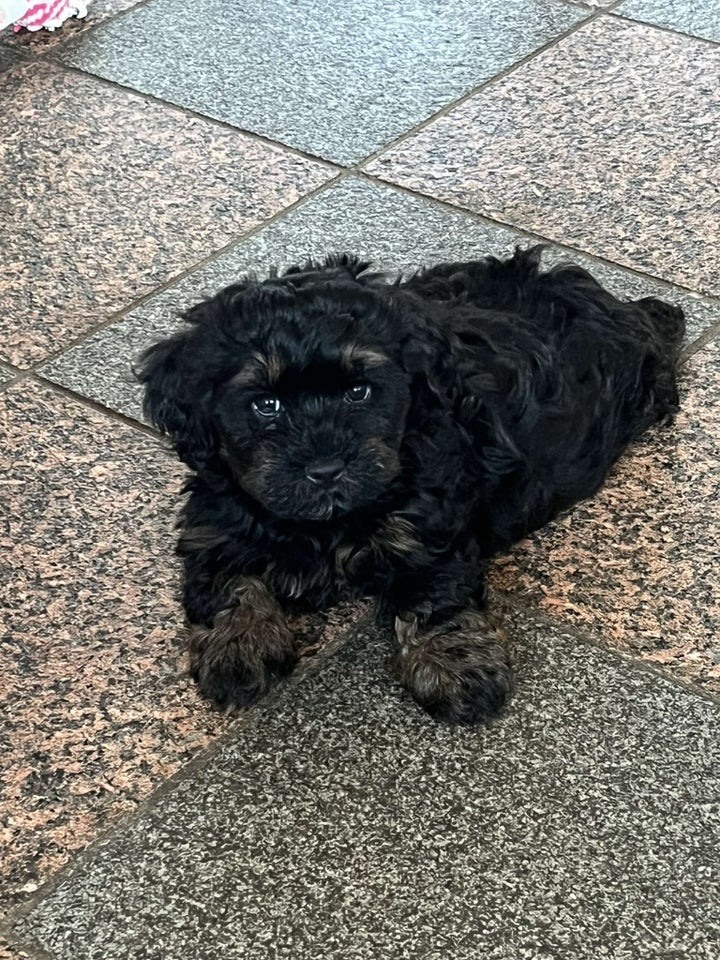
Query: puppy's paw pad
{"x": 459, "y": 677}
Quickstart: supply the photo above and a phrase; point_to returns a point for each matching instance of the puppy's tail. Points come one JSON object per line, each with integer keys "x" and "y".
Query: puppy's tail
{"x": 668, "y": 320}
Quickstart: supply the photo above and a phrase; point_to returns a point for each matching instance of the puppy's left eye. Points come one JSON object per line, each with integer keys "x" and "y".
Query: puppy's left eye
{"x": 267, "y": 406}
{"x": 358, "y": 393}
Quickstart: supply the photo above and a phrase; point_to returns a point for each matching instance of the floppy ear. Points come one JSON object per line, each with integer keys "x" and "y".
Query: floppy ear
{"x": 177, "y": 398}
{"x": 428, "y": 355}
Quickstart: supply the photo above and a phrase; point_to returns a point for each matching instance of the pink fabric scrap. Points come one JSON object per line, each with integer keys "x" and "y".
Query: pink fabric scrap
{"x": 47, "y": 15}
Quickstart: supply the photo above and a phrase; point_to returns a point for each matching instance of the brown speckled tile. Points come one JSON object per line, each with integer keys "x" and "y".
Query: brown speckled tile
{"x": 97, "y": 709}
{"x": 106, "y": 195}
{"x": 638, "y": 564}
{"x": 607, "y": 141}
{"x": 40, "y": 40}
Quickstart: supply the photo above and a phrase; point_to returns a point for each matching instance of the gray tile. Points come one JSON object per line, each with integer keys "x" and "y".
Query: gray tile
{"x": 698, "y": 17}
{"x": 337, "y": 79}
{"x": 342, "y": 822}
{"x": 391, "y": 227}
{"x": 606, "y": 141}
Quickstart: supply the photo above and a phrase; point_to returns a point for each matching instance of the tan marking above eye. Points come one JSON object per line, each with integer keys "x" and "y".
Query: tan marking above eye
{"x": 261, "y": 371}
{"x": 353, "y": 354}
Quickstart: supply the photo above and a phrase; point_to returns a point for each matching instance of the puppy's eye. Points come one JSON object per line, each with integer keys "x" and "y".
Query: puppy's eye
{"x": 267, "y": 406}
{"x": 358, "y": 393}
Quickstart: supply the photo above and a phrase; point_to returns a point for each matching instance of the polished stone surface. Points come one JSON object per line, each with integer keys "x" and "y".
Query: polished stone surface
{"x": 343, "y": 81}
{"x": 106, "y": 196}
{"x": 636, "y": 566}
{"x": 342, "y": 822}
{"x": 395, "y": 229}
{"x": 607, "y": 141}
{"x": 698, "y": 17}
{"x": 40, "y": 41}
{"x": 96, "y": 708}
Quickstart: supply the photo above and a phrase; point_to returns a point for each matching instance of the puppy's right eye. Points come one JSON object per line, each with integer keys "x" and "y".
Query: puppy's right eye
{"x": 267, "y": 406}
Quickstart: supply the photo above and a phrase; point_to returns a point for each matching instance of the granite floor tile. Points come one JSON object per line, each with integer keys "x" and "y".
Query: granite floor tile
{"x": 637, "y": 565}
{"x": 5, "y": 375}
{"x": 106, "y": 196}
{"x": 39, "y": 41}
{"x": 97, "y": 708}
{"x": 606, "y": 141}
{"x": 698, "y": 17}
{"x": 393, "y": 228}
{"x": 8, "y": 952}
{"x": 10, "y": 58}
{"x": 342, "y": 822}
{"x": 340, "y": 82}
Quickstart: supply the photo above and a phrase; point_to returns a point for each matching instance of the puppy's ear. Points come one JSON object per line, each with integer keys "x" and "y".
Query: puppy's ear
{"x": 177, "y": 398}
{"x": 428, "y": 356}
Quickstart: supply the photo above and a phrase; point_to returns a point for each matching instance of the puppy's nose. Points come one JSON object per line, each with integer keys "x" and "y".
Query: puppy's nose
{"x": 324, "y": 471}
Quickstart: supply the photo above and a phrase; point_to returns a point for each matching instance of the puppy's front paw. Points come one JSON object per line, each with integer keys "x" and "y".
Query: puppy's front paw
{"x": 457, "y": 672}
{"x": 235, "y": 661}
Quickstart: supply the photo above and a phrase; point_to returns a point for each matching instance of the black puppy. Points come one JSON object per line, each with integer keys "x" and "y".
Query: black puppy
{"x": 351, "y": 436}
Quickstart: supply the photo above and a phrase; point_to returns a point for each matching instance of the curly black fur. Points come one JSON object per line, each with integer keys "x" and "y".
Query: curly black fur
{"x": 353, "y": 436}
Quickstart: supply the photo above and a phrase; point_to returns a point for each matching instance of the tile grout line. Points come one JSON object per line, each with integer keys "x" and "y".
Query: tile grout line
{"x": 531, "y": 235}
{"x": 97, "y": 407}
{"x": 614, "y": 14}
{"x": 703, "y": 340}
{"x": 341, "y": 171}
{"x": 505, "y": 600}
{"x": 237, "y": 239}
{"x": 479, "y": 88}
{"x": 588, "y": 637}
{"x": 264, "y": 139}
{"x": 32, "y": 55}
{"x": 306, "y": 670}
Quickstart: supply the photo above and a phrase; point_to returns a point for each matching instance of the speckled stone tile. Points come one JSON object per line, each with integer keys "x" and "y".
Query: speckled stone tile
{"x": 607, "y": 141}
{"x": 637, "y": 565}
{"x": 698, "y": 17}
{"x": 393, "y": 228}
{"x": 340, "y": 82}
{"x": 106, "y": 196}
{"x": 40, "y": 40}
{"x": 10, "y": 58}
{"x": 97, "y": 709}
{"x": 9, "y": 952}
{"x": 5, "y": 376}
{"x": 344, "y": 823}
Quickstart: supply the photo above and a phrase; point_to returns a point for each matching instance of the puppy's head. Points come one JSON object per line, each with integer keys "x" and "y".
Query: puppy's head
{"x": 298, "y": 388}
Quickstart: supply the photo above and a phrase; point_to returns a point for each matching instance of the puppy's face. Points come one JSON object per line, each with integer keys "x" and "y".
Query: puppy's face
{"x": 297, "y": 386}
{"x": 311, "y": 434}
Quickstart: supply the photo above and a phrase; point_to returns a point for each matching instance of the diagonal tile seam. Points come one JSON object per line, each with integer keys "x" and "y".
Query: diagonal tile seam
{"x": 700, "y": 342}
{"x": 56, "y": 57}
{"x": 178, "y": 277}
{"x": 587, "y": 636}
{"x": 541, "y": 239}
{"x": 305, "y": 670}
{"x": 616, "y": 14}
{"x": 500, "y": 601}
{"x": 49, "y": 52}
{"x": 479, "y": 88}
{"x": 342, "y": 174}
